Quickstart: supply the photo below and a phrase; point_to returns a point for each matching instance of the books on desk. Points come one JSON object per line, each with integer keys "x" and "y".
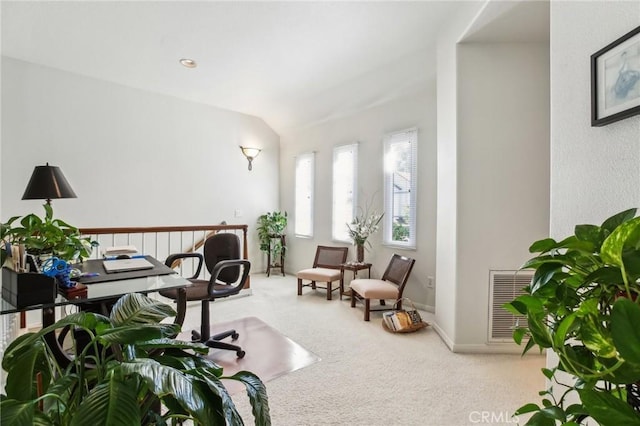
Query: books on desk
{"x": 124, "y": 265}
{"x": 120, "y": 250}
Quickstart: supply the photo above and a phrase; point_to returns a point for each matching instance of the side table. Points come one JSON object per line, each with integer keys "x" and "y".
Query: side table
{"x": 355, "y": 267}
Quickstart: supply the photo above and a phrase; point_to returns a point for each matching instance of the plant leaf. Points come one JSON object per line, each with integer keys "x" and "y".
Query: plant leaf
{"x": 625, "y": 332}
{"x": 530, "y": 343}
{"x": 136, "y": 308}
{"x": 561, "y": 332}
{"x": 543, "y": 246}
{"x": 518, "y": 334}
{"x": 133, "y": 334}
{"x": 615, "y": 243}
{"x": 608, "y": 410}
{"x": 62, "y": 386}
{"x": 166, "y": 343}
{"x": 516, "y": 308}
{"x": 257, "y": 392}
{"x": 589, "y": 233}
{"x": 111, "y": 403}
{"x": 539, "y": 419}
{"x": 548, "y": 372}
{"x": 184, "y": 361}
{"x": 163, "y": 380}
{"x": 17, "y": 413}
{"x": 22, "y": 362}
{"x": 539, "y": 332}
{"x": 231, "y": 414}
{"x": 86, "y": 320}
{"x": 595, "y": 337}
{"x": 527, "y": 408}
{"x": 554, "y": 412}
{"x": 618, "y": 219}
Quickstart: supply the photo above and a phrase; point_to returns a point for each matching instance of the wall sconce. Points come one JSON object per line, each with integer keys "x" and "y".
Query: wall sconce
{"x": 46, "y": 183}
{"x": 250, "y": 153}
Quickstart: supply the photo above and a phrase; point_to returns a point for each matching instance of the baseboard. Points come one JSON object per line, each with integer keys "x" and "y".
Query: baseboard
{"x": 488, "y": 348}
{"x": 479, "y": 348}
{"x": 444, "y": 336}
{"x": 423, "y": 307}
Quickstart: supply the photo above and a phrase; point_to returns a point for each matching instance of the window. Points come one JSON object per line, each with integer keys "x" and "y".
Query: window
{"x": 400, "y": 177}
{"x": 345, "y": 178}
{"x": 304, "y": 195}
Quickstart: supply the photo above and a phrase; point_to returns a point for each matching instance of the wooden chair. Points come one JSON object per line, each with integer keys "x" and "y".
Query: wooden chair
{"x": 327, "y": 268}
{"x": 390, "y": 286}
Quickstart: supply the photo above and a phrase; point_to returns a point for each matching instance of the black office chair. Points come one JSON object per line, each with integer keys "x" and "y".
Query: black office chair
{"x": 228, "y": 276}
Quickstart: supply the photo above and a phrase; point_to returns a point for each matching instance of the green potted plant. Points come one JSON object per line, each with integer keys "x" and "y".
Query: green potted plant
{"x": 44, "y": 236}
{"x": 583, "y": 304}
{"x": 127, "y": 370}
{"x": 271, "y": 227}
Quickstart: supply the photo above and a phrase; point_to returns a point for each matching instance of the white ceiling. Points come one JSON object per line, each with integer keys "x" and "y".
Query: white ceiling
{"x": 291, "y": 63}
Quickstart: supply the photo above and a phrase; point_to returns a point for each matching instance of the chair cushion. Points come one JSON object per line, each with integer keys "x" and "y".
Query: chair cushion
{"x": 320, "y": 274}
{"x": 374, "y": 289}
{"x": 198, "y": 290}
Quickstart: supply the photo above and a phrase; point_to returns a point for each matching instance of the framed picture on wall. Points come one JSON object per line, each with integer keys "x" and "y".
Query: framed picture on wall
{"x": 615, "y": 80}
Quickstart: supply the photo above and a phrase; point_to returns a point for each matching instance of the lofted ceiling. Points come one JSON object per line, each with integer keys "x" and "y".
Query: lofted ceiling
{"x": 292, "y": 63}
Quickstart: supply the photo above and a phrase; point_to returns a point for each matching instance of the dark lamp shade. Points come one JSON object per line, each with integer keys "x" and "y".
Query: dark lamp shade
{"x": 47, "y": 183}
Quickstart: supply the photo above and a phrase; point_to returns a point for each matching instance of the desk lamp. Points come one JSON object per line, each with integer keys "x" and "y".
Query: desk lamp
{"x": 46, "y": 183}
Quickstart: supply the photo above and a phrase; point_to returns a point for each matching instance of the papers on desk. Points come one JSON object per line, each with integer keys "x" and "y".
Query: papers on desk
{"x": 123, "y": 265}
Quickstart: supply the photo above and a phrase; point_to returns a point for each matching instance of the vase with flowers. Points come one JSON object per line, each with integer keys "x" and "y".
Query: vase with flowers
{"x": 361, "y": 228}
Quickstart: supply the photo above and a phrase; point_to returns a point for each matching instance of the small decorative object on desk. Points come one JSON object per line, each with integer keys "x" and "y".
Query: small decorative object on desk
{"x": 401, "y": 320}
{"x": 58, "y": 269}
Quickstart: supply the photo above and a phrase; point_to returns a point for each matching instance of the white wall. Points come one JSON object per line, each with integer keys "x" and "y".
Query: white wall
{"x": 503, "y": 169}
{"x": 595, "y": 171}
{"x": 368, "y": 128}
{"x": 134, "y": 158}
{"x": 447, "y": 147}
{"x": 493, "y": 174}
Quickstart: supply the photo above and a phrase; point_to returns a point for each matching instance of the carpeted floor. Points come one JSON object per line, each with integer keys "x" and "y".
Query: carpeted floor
{"x": 367, "y": 376}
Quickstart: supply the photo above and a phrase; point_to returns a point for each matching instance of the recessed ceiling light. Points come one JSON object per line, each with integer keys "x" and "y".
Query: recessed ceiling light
{"x": 189, "y": 63}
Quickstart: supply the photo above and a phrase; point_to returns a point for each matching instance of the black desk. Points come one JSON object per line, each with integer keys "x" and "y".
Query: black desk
{"x": 106, "y": 291}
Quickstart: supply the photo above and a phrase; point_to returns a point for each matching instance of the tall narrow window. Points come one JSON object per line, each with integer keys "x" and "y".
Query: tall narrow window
{"x": 345, "y": 175}
{"x": 304, "y": 195}
{"x": 400, "y": 178}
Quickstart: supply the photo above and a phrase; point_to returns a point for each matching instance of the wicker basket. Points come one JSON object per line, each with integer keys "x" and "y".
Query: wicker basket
{"x": 412, "y": 319}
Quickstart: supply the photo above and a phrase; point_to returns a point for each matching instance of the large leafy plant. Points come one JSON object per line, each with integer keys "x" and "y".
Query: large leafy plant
{"x": 121, "y": 375}
{"x": 272, "y": 224}
{"x": 46, "y": 235}
{"x": 583, "y": 304}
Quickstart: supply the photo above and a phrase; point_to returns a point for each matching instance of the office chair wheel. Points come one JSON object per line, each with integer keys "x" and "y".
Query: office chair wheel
{"x": 195, "y": 336}
{"x": 235, "y": 336}
{"x": 240, "y": 354}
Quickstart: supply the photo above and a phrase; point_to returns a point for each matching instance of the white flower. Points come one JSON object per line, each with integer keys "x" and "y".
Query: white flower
{"x": 362, "y": 226}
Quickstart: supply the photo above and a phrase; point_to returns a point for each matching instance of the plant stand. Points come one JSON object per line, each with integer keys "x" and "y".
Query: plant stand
{"x": 274, "y": 263}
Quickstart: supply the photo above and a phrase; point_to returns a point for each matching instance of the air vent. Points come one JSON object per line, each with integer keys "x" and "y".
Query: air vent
{"x": 504, "y": 286}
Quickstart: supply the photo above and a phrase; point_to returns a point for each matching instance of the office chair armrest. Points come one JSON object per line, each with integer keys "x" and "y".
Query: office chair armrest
{"x": 177, "y": 256}
{"x": 246, "y": 267}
